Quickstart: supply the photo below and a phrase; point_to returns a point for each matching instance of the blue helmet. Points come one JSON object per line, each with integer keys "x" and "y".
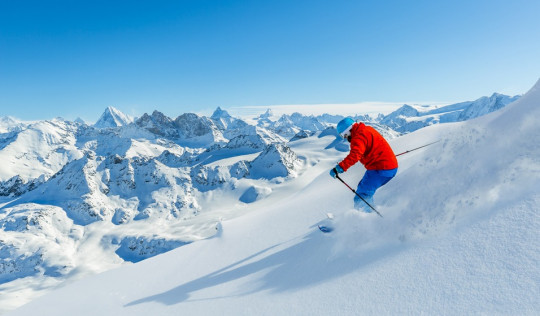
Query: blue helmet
{"x": 344, "y": 126}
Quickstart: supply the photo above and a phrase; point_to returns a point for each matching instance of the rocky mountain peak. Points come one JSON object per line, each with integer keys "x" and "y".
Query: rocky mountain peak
{"x": 267, "y": 115}
{"x": 219, "y": 114}
{"x": 113, "y": 117}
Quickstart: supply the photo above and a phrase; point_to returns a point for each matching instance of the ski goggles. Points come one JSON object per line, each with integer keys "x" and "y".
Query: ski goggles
{"x": 346, "y": 133}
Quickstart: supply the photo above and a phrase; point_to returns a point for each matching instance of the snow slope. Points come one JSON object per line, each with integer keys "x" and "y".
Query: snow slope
{"x": 459, "y": 236}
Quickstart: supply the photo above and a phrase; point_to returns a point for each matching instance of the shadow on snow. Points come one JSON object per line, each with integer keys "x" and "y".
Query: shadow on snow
{"x": 306, "y": 263}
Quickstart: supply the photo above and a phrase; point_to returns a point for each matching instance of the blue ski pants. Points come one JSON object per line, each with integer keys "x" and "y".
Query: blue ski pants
{"x": 372, "y": 180}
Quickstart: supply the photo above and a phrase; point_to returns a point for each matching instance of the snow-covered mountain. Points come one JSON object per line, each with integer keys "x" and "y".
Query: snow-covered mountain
{"x": 225, "y": 122}
{"x": 113, "y": 117}
{"x": 409, "y": 118}
{"x": 10, "y": 124}
{"x": 276, "y": 160}
{"x": 61, "y": 179}
{"x": 38, "y": 149}
{"x": 77, "y": 199}
{"x": 188, "y": 129}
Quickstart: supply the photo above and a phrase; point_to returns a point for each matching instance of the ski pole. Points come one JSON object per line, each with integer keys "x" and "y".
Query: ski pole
{"x": 337, "y": 176}
{"x": 408, "y": 151}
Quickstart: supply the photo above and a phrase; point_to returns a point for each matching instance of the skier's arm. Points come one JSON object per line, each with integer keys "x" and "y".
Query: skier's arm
{"x": 358, "y": 148}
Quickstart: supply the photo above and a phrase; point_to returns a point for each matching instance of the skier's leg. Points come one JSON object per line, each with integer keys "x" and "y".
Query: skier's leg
{"x": 372, "y": 180}
{"x": 366, "y": 188}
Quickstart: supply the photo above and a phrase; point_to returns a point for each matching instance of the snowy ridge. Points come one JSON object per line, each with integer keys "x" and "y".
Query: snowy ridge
{"x": 127, "y": 193}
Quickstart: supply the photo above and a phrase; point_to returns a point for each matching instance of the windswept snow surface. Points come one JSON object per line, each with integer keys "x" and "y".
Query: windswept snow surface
{"x": 460, "y": 235}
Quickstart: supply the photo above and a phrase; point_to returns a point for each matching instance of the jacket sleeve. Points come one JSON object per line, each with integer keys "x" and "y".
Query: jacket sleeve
{"x": 358, "y": 148}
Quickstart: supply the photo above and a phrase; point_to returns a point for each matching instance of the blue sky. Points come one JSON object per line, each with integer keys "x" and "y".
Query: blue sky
{"x": 75, "y": 58}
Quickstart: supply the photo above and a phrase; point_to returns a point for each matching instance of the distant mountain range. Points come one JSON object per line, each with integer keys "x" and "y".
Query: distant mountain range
{"x": 409, "y": 118}
{"x": 57, "y": 177}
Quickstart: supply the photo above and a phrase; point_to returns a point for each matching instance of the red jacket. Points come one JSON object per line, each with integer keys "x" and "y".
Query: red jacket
{"x": 370, "y": 148}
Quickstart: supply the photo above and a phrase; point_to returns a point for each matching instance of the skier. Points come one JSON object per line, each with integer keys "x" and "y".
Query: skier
{"x": 372, "y": 150}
